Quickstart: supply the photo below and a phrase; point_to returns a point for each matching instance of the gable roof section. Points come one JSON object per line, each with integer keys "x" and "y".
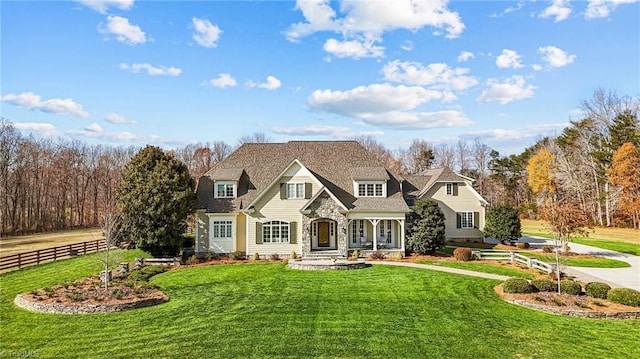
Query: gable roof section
{"x": 330, "y": 162}
{"x": 419, "y": 185}
{"x": 320, "y": 192}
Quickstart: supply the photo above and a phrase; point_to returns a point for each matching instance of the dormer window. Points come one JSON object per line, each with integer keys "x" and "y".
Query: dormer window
{"x": 225, "y": 190}
{"x": 452, "y": 189}
{"x": 371, "y": 189}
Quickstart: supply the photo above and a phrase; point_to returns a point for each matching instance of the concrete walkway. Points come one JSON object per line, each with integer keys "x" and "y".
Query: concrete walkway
{"x": 442, "y": 269}
{"x": 616, "y": 277}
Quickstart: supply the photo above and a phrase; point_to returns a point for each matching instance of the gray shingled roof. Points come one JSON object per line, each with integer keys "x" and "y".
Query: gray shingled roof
{"x": 331, "y": 162}
{"x": 369, "y": 173}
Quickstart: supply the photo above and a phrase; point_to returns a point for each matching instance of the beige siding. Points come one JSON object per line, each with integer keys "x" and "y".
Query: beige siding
{"x": 202, "y": 231}
{"x": 465, "y": 201}
{"x": 241, "y": 229}
{"x": 271, "y": 207}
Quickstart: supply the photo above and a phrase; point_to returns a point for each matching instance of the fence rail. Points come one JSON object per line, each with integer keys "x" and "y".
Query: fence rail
{"x": 514, "y": 257}
{"x": 20, "y": 260}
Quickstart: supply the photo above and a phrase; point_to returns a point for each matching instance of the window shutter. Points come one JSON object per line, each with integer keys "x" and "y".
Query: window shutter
{"x": 455, "y": 189}
{"x": 283, "y": 191}
{"x": 458, "y": 220}
{"x": 476, "y": 220}
{"x": 292, "y": 233}
{"x": 307, "y": 190}
{"x": 258, "y": 233}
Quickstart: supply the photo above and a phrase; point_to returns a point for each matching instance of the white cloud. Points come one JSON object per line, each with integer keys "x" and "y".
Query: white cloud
{"x": 509, "y": 59}
{"x": 312, "y": 130}
{"x": 536, "y": 67}
{"x": 152, "y": 70}
{"x": 94, "y": 127}
{"x": 117, "y": 119}
{"x": 436, "y": 75}
{"x": 464, "y": 56}
{"x": 603, "y": 8}
{"x": 555, "y": 57}
{"x": 407, "y": 45}
{"x": 515, "y": 135}
{"x": 370, "y": 19}
{"x": 56, "y": 106}
{"x": 102, "y": 6}
{"x": 223, "y": 80}
{"x": 128, "y": 137}
{"x": 513, "y": 88}
{"x": 206, "y": 34}
{"x": 559, "y": 9}
{"x": 45, "y": 129}
{"x": 124, "y": 31}
{"x": 271, "y": 84}
{"x": 509, "y": 10}
{"x": 387, "y": 105}
{"x": 353, "y": 48}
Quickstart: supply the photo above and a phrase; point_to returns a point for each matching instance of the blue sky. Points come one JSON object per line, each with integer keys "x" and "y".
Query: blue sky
{"x": 170, "y": 73}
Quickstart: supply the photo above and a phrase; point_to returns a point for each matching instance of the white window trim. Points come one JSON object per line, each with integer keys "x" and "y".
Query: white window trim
{"x": 466, "y": 213}
{"x": 213, "y": 219}
{"x": 222, "y": 223}
{"x": 268, "y": 224}
{"x": 356, "y": 188}
{"x": 295, "y": 190}
{"x": 225, "y": 183}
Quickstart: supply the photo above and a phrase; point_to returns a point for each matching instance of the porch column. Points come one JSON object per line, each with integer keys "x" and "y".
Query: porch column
{"x": 401, "y": 221}
{"x": 375, "y": 222}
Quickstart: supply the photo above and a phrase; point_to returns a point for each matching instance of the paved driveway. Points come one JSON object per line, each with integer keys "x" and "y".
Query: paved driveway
{"x": 617, "y": 277}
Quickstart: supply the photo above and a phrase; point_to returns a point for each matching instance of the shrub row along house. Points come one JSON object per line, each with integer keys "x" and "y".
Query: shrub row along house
{"x": 332, "y": 196}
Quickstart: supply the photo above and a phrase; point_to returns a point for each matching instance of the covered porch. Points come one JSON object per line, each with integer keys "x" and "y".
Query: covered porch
{"x": 372, "y": 233}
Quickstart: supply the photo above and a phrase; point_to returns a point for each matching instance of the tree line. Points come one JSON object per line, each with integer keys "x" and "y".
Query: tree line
{"x": 49, "y": 184}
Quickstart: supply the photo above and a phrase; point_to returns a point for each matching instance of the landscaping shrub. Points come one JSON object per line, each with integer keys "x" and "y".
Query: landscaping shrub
{"x": 502, "y": 222}
{"x": 517, "y": 285}
{"x": 376, "y": 255}
{"x": 210, "y": 256}
{"x": 355, "y": 254}
{"x": 544, "y": 285}
{"x": 256, "y": 256}
{"x": 293, "y": 255}
{"x": 426, "y": 229}
{"x": 570, "y": 287}
{"x": 597, "y": 290}
{"x": 547, "y": 249}
{"x": 236, "y": 256}
{"x": 192, "y": 260}
{"x": 624, "y": 296}
{"x": 144, "y": 273}
{"x": 274, "y": 257}
{"x": 399, "y": 256}
{"x": 522, "y": 245}
{"x": 463, "y": 254}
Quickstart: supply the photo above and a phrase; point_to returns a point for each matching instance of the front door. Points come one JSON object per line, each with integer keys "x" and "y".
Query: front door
{"x": 323, "y": 234}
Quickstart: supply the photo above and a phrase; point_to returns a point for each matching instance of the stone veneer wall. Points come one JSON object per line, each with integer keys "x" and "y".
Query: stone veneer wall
{"x": 58, "y": 308}
{"x": 325, "y": 208}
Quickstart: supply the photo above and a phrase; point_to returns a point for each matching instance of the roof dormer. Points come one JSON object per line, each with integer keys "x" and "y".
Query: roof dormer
{"x": 369, "y": 181}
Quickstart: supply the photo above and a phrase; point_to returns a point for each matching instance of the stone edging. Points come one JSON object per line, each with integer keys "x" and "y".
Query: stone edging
{"x": 576, "y": 313}
{"x": 58, "y": 308}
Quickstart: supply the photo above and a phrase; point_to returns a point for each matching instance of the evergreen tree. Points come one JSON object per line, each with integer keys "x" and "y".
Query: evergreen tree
{"x": 426, "y": 229}
{"x": 503, "y": 223}
{"x": 154, "y": 199}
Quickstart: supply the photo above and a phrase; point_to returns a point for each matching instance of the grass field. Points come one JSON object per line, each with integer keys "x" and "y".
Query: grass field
{"x": 481, "y": 267}
{"x": 625, "y": 240}
{"x": 265, "y": 310}
{"x": 17, "y": 244}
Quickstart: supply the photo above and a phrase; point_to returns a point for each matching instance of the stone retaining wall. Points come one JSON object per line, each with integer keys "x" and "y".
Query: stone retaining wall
{"x": 577, "y": 313}
{"x": 58, "y": 308}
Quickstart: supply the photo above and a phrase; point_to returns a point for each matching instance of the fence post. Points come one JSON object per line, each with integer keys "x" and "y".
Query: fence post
{"x": 529, "y": 262}
{"x": 512, "y": 257}
{"x": 84, "y": 246}
{"x": 54, "y": 253}
{"x": 38, "y": 256}
{"x": 19, "y": 261}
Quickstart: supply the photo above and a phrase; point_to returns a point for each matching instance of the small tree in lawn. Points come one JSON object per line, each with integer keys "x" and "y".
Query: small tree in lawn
{"x": 426, "y": 227}
{"x": 503, "y": 223}
{"x": 154, "y": 198}
{"x": 110, "y": 229}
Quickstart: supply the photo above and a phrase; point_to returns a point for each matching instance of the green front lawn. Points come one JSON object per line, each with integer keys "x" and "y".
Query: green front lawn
{"x": 263, "y": 310}
{"x": 597, "y": 262}
{"x": 623, "y": 247}
{"x": 480, "y": 267}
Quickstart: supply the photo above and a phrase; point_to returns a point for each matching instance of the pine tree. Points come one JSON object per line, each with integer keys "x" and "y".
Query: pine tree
{"x": 503, "y": 223}
{"x": 427, "y": 229}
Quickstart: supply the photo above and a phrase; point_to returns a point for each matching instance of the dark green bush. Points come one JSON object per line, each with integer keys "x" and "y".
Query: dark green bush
{"x": 463, "y": 254}
{"x": 624, "y": 296}
{"x": 503, "y": 223}
{"x": 544, "y": 285}
{"x": 570, "y": 287}
{"x": 523, "y": 245}
{"x": 426, "y": 229}
{"x": 517, "y": 285}
{"x": 597, "y": 290}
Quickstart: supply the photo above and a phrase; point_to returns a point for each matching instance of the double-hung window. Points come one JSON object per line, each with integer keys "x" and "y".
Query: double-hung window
{"x": 449, "y": 189}
{"x": 225, "y": 190}
{"x": 370, "y": 189}
{"x": 295, "y": 190}
{"x": 466, "y": 219}
{"x": 222, "y": 229}
{"x": 275, "y": 232}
